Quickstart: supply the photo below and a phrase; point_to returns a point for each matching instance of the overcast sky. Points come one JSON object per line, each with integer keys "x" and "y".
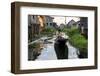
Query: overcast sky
{"x": 60, "y": 20}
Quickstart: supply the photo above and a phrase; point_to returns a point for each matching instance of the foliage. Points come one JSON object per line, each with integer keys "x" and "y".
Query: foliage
{"x": 48, "y": 31}
{"x": 76, "y": 39}
{"x": 71, "y": 31}
{"x": 79, "y": 41}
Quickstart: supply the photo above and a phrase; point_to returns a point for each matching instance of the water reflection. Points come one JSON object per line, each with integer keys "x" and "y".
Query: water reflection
{"x": 48, "y": 48}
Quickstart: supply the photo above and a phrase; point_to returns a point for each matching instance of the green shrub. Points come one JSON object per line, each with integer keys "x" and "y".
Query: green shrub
{"x": 64, "y": 29}
{"x": 76, "y": 38}
{"x": 48, "y": 32}
{"x": 72, "y": 31}
{"x": 79, "y": 41}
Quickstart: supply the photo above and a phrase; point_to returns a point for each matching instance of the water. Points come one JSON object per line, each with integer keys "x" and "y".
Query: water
{"x": 72, "y": 52}
{"x": 48, "y": 52}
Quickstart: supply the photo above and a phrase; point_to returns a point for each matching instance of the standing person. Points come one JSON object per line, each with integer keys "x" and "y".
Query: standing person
{"x": 60, "y": 46}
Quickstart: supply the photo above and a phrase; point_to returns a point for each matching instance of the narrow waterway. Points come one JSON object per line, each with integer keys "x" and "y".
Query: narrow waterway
{"x": 48, "y": 52}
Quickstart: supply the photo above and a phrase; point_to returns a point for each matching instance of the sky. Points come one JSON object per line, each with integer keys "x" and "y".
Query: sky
{"x": 59, "y": 19}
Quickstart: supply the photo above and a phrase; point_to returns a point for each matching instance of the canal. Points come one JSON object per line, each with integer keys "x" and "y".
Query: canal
{"x": 48, "y": 51}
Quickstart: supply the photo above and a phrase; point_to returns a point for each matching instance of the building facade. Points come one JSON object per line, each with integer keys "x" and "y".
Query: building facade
{"x": 83, "y": 26}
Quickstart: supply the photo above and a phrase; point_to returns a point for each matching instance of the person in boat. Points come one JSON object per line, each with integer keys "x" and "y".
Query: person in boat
{"x": 60, "y": 46}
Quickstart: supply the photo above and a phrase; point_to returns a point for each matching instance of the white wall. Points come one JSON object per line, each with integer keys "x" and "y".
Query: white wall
{"x": 5, "y": 42}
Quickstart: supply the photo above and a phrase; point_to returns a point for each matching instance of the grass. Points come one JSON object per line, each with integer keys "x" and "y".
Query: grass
{"x": 77, "y": 40}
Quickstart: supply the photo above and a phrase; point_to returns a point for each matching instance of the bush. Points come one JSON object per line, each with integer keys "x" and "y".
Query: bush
{"x": 48, "y": 31}
{"x": 72, "y": 31}
{"x": 76, "y": 38}
{"x": 79, "y": 41}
